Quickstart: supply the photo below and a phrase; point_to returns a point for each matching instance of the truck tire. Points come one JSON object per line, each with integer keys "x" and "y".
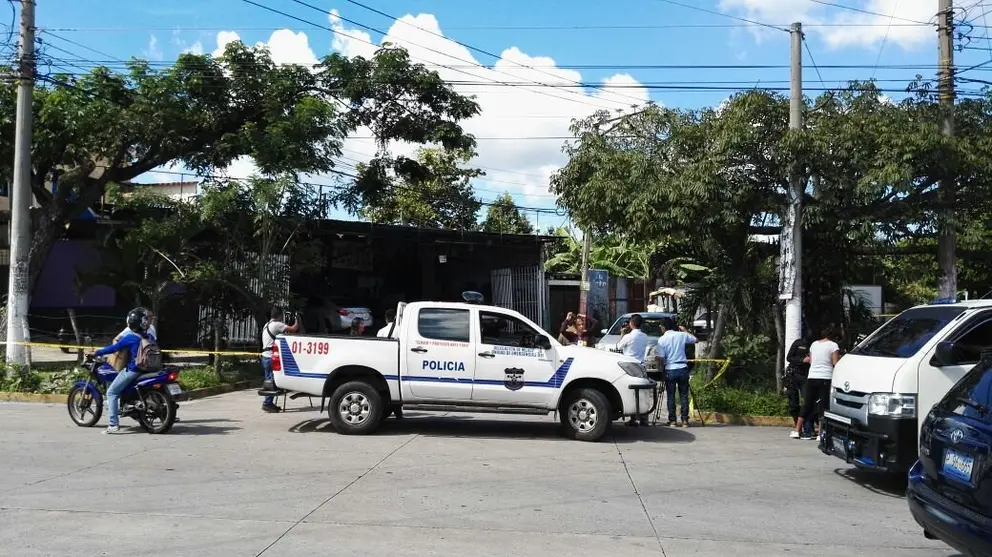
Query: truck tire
{"x": 586, "y": 414}
{"x": 356, "y": 408}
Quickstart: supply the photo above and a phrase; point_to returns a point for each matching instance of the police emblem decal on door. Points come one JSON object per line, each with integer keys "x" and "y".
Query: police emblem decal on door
{"x": 514, "y": 378}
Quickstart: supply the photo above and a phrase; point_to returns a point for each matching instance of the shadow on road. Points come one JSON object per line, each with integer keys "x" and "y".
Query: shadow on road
{"x": 883, "y": 484}
{"x": 471, "y": 426}
{"x": 205, "y": 427}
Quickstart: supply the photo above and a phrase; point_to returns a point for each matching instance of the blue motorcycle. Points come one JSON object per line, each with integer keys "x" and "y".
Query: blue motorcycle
{"x": 151, "y": 400}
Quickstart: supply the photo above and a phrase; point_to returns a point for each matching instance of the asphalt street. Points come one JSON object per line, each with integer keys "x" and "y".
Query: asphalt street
{"x": 230, "y": 481}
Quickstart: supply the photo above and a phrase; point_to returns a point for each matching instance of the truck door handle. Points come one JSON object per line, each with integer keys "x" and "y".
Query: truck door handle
{"x": 487, "y": 355}
{"x": 419, "y": 350}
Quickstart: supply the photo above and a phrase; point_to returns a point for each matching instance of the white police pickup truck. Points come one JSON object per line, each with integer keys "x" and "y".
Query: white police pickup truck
{"x": 462, "y": 357}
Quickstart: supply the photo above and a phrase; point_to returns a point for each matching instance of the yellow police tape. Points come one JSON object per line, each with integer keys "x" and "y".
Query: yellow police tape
{"x": 725, "y": 365}
{"x": 178, "y": 351}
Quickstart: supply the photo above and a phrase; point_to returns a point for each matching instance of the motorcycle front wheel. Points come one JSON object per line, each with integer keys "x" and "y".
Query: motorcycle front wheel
{"x": 159, "y": 413}
{"x": 84, "y": 408}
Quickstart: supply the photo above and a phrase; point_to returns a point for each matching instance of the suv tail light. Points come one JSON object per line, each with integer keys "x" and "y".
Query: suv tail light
{"x": 344, "y": 312}
{"x": 276, "y": 360}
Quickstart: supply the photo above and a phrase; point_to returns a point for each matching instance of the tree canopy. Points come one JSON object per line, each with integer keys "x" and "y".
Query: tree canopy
{"x": 438, "y": 196}
{"x": 504, "y": 217}
{"x": 203, "y": 112}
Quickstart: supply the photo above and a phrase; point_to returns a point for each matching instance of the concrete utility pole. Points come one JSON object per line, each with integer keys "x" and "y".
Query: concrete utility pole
{"x": 584, "y": 285}
{"x": 790, "y": 239}
{"x": 947, "y": 283}
{"x": 20, "y": 195}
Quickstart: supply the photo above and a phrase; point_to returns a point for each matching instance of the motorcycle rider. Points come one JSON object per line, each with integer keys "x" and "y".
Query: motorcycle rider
{"x": 137, "y": 325}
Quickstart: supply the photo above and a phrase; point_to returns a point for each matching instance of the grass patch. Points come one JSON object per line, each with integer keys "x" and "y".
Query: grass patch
{"x": 719, "y": 397}
{"x": 60, "y": 381}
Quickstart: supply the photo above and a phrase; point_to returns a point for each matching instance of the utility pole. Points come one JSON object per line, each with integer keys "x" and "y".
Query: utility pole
{"x": 947, "y": 283}
{"x": 791, "y": 239}
{"x": 20, "y": 195}
{"x": 584, "y": 284}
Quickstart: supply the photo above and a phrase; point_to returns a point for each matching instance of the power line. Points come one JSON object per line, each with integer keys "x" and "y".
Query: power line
{"x": 885, "y": 38}
{"x": 536, "y": 27}
{"x": 460, "y": 43}
{"x": 338, "y": 32}
{"x": 723, "y": 14}
{"x": 869, "y": 12}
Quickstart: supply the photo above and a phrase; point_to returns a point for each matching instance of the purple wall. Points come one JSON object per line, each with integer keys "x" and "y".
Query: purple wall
{"x": 57, "y": 285}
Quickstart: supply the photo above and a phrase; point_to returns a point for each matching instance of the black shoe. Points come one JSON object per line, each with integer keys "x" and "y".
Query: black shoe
{"x": 272, "y": 409}
{"x": 633, "y": 423}
{"x": 398, "y": 413}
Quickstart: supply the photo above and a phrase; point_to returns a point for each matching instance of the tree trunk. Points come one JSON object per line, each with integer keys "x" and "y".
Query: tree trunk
{"x": 45, "y": 232}
{"x": 217, "y": 337}
{"x": 717, "y": 338}
{"x": 780, "y": 353}
{"x": 75, "y": 333}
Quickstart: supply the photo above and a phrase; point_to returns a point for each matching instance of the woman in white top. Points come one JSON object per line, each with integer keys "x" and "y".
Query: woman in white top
{"x": 823, "y": 356}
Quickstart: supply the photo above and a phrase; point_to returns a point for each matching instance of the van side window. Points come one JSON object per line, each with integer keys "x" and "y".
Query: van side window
{"x": 453, "y": 325}
{"x": 969, "y": 347}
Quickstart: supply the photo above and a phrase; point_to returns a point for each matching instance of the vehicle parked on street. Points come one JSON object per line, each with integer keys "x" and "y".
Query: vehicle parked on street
{"x": 651, "y": 328}
{"x": 150, "y": 400}
{"x": 463, "y": 357}
{"x": 884, "y": 388}
{"x": 950, "y": 487}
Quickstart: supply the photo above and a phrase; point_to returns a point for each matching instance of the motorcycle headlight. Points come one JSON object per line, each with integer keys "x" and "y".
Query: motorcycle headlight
{"x": 633, "y": 369}
{"x": 892, "y": 405}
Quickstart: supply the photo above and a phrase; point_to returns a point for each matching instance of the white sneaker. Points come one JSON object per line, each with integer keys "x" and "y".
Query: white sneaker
{"x": 794, "y": 434}
{"x": 112, "y": 429}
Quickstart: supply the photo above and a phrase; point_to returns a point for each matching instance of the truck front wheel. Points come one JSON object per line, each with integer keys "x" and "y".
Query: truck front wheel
{"x": 586, "y": 414}
{"x": 356, "y": 408}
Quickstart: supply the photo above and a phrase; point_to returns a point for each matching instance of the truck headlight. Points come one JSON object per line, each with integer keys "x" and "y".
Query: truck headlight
{"x": 892, "y": 405}
{"x": 634, "y": 369}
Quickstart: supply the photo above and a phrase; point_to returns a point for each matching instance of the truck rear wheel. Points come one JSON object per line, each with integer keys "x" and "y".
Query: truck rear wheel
{"x": 586, "y": 414}
{"x": 356, "y": 408}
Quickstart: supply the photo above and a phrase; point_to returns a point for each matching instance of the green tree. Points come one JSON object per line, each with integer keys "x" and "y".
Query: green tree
{"x": 438, "y": 196}
{"x": 504, "y": 217}
{"x": 203, "y": 112}
{"x": 618, "y": 257}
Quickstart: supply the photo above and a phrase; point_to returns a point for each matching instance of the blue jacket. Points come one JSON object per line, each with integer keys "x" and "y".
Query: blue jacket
{"x": 130, "y": 342}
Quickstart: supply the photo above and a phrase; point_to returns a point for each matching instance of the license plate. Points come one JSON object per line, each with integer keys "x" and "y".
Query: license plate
{"x": 839, "y": 445}
{"x": 958, "y": 466}
{"x": 174, "y": 389}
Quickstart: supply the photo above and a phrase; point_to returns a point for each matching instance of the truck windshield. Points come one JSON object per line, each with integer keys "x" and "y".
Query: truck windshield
{"x": 651, "y": 325}
{"x": 905, "y": 334}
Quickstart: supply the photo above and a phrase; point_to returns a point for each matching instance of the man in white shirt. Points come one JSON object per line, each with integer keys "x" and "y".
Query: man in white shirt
{"x": 270, "y": 331}
{"x": 390, "y": 317}
{"x": 635, "y": 345}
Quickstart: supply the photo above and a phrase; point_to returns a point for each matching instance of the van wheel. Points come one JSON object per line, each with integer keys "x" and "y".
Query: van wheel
{"x": 356, "y": 408}
{"x": 586, "y": 415}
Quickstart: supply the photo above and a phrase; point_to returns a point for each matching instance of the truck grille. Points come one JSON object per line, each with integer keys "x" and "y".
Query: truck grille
{"x": 851, "y": 404}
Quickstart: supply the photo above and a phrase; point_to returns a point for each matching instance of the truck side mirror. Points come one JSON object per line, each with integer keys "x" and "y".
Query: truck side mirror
{"x": 603, "y": 332}
{"x": 542, "y": 342}
{"x": 945, "y": 355}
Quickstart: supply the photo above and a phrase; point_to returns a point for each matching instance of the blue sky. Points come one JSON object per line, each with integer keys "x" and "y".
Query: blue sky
{"x": 615, "y": 37}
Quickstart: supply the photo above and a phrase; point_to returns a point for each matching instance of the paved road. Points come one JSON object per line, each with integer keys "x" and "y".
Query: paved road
{"x": 231, "y": 481}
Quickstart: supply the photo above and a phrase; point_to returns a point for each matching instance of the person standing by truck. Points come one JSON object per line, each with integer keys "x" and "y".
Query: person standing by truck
{"x": 823, "y": 356}
{"x": 270, "y": 331}
{"x": 635, "y": 345}
{"x": 672, "y": 353}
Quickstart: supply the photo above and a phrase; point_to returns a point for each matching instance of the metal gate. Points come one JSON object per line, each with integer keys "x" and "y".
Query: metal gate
{"x": 525, "y": 290}
{"x": 245, "y": 330}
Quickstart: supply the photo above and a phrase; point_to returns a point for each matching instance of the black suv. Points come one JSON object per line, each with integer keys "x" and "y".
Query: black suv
{"x": 950, "y": 487}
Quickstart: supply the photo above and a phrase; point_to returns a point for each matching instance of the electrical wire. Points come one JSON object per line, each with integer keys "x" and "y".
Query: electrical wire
{"x": 585, "y": 100}
{"x": 459, "y": 43}
{"x": 869, "y": 12}
{"x": 723, "y": 14}
{"x": 885, "y": 38}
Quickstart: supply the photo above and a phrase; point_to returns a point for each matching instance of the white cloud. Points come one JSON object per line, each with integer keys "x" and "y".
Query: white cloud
{"x": 520, "y": 96}
{"x": 541, "y": 100}
{"x": 154, "y": 51}
{"x": 183, "y": 46}
{"x": 845, "y": 28}
{"x": 223, "y": 38}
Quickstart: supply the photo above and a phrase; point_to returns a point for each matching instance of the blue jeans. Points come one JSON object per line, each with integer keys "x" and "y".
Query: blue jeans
{"x": 267, "y": 371}
{"x": 677, "y": 379}
{"x": 124, "y": 379}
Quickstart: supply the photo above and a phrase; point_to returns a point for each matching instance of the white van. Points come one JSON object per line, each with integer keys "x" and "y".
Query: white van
{"x": 883, "y": 389}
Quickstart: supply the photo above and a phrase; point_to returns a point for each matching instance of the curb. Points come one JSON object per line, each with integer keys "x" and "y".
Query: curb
{"x": 759, "y": 421}
{"x": 188, "y": 395}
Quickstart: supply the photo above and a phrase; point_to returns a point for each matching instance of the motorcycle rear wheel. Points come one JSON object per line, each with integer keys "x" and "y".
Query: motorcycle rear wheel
{"x": 85, "y": 409}
{"x": 159, "y": 413}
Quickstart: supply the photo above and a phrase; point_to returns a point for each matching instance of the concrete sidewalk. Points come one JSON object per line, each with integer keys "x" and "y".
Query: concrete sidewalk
{"x": 233, "y": 481}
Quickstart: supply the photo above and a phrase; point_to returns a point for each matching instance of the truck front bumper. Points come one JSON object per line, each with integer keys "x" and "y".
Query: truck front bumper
{"x": 884, "y": 445}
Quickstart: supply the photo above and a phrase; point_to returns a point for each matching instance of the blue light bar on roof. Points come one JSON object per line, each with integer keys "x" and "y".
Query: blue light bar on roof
{"x": 944, "y": 301}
